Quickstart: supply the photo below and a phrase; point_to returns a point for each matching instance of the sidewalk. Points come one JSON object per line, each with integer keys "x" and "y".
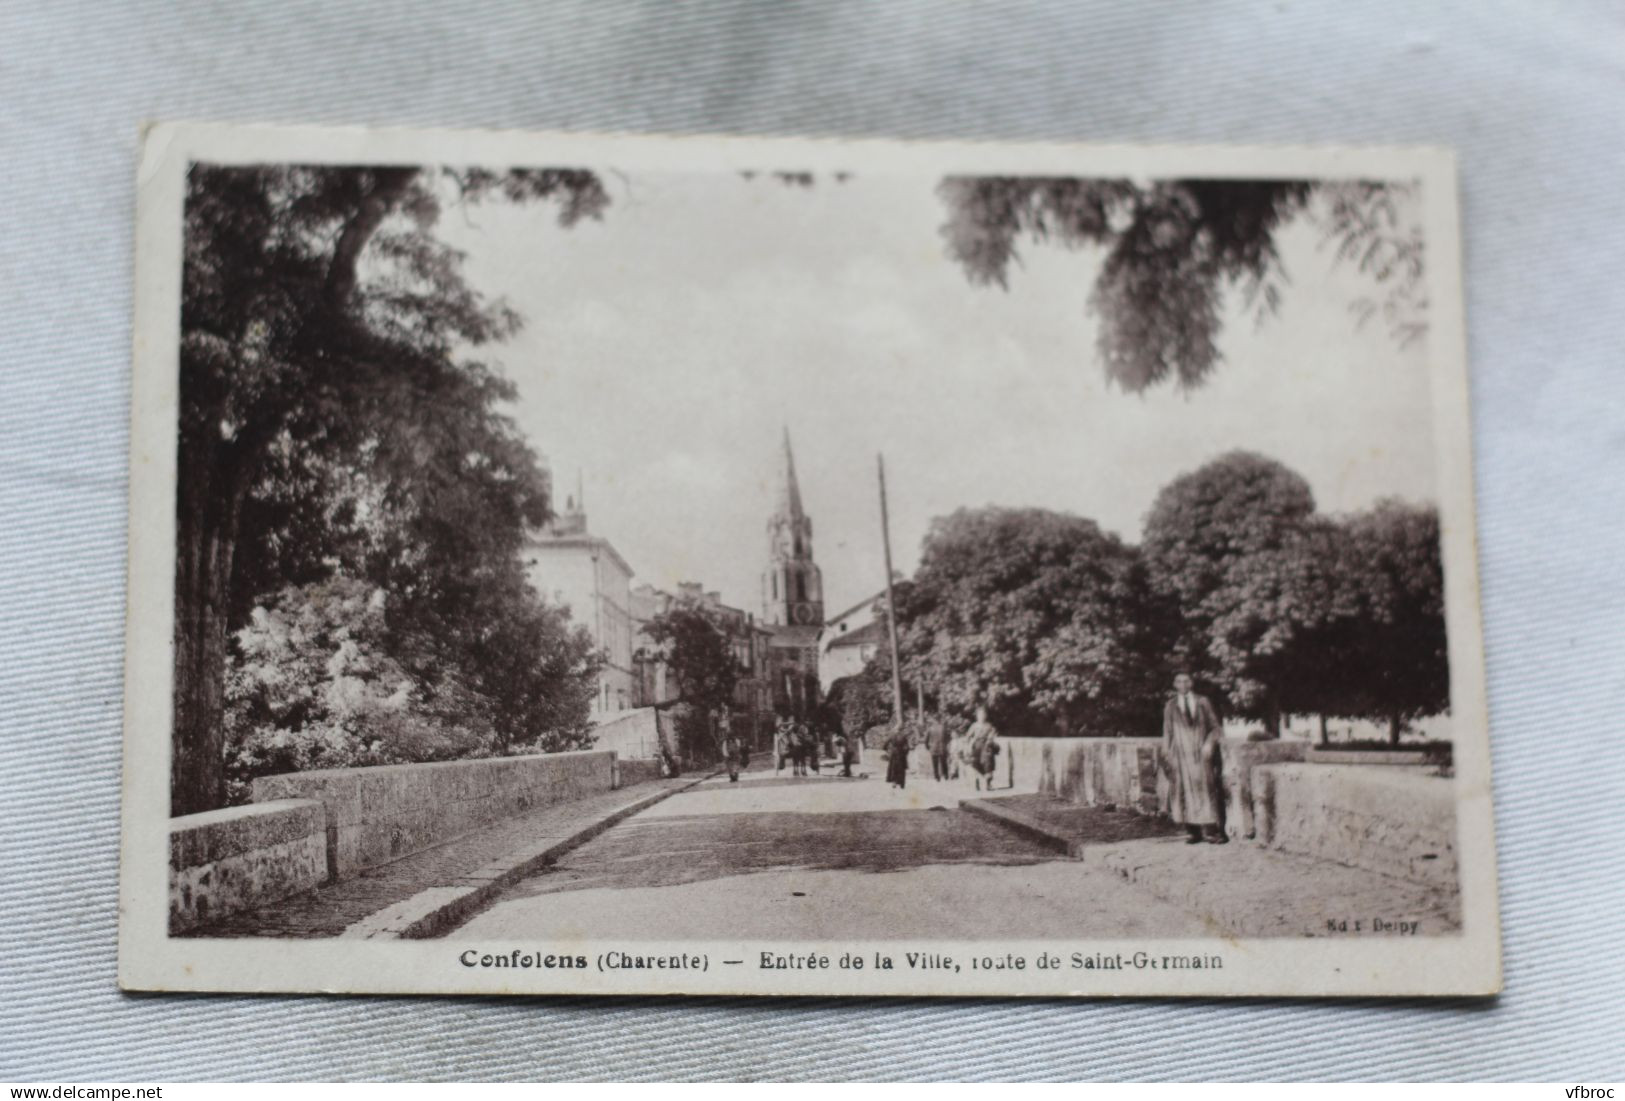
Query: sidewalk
{"x": 429, "y": 891}
{"x": 1242, "y": 888}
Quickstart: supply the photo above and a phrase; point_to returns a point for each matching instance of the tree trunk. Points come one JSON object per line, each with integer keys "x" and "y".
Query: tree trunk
{"x": 1272, "y": 716}
{"x": 213, "y": 477}
{"x": 209, "y": 504}
{"x": 1325, "y": 736}
{"x": 388, "y": 187}
{"x": 1393, "y": 728}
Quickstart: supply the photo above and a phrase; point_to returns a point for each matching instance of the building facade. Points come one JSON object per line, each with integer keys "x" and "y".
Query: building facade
{"x": 568, "y": 565}
{"x": 849, "y": 640}
{"x": 748, "y": 640}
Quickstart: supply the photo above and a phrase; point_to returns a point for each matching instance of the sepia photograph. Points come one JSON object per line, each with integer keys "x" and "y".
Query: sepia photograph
{"x": 596, "y": 564}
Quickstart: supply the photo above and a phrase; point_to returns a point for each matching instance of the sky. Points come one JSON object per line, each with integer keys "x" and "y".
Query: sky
{"x": 668, "y": 345}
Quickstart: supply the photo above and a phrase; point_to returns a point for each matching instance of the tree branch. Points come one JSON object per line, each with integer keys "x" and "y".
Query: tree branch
{"x": 389, "y": 184}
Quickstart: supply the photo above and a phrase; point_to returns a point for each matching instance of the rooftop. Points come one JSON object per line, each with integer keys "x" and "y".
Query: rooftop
{"x": 865, "y": 602}
{"x": 794, "y": 634}
{"x": 873, "y": 632}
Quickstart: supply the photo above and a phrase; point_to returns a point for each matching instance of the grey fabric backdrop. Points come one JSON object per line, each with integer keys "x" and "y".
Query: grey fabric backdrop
{"x": 1532, "y": 96}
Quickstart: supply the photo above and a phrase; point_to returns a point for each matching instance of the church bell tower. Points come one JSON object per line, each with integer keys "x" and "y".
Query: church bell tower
{"x": 792, "y": 586}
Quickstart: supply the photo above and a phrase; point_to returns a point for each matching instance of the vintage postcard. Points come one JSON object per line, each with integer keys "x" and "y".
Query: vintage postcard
{"x": 614, "y": 564}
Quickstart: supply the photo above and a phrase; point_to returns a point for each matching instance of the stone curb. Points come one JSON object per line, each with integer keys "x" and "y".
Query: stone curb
{"x": 1022, "y": 824}
{"x": 435, "y": 911}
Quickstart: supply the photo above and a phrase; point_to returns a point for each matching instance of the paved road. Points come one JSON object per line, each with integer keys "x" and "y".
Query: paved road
{"x": 820, "y": 858}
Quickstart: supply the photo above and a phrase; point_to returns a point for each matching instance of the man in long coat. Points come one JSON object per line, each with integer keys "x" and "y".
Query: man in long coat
{"x": 1190, "y": 757}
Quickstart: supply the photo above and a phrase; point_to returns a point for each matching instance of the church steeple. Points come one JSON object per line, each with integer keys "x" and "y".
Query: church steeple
{"x": 789, "y": 489}
{"x": 792, "y": 586}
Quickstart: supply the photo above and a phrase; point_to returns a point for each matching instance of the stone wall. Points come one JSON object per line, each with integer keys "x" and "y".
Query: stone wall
{"x": 374, "y": 815}
{"x": 631, "y": 734}
{"x": 637, "y": 771}
{"x": 223, "y": 861}
{"x": 1238, "y": 760}
{"x": 1094, "y": 771}
{"x": 1386, "y": 818}
{"x": 1124, "y": 772}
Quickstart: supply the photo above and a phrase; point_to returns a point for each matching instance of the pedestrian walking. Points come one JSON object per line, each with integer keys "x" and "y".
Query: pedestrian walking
{"x": 938, "y": 743}
{"x": 897, "y": 747}
{"x": 782, "y": 748}
{"x": 802, "y": 739}
{"x": 982, "y": 749}
{"x": 732, "y": 748}
{"x": 1191, "y": 734}
{"x": 849, "y": 753}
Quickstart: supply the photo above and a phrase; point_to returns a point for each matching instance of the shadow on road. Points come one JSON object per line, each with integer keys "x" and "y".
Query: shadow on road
{"x": 678, "y": 849}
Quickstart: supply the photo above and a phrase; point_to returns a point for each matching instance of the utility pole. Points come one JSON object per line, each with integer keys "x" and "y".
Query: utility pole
{"x": 891, "y": 604}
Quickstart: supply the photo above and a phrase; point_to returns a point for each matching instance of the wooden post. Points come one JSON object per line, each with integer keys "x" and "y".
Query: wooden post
{"x": 891, "y": 604}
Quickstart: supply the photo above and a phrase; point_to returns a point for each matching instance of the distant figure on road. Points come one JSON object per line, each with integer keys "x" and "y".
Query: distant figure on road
{"x": 801, "y": 742}
{"x": 733, "y": 750}
{"x": 848, "y": 745}
{"x": 982, "y": 748}
{"x": 897, "y": 748}
{"x": 938, "y": 742}
{"x": 783, "y": 745}
{"x": 1190, "y": 759}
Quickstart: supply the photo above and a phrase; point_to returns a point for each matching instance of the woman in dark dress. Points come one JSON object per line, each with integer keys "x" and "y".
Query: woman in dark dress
{"x": 897, "y": 748}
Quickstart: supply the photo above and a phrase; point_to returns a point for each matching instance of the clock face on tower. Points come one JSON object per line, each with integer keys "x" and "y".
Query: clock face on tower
{"x": 801, "y": 613}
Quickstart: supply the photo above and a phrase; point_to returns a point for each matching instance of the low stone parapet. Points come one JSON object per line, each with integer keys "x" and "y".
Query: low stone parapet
{"x": 1391, "y": 819}
{"x": 225, "y": 861}
{"x": 1119, "y": 772}
{"x": 638, "y": 770}
{"x": 1238, "y": 760}
{"x": 380, "y": 813}
{"x": 1126, "y": 772}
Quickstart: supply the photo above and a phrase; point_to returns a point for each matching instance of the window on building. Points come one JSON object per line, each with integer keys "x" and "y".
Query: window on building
{"x": 801, "y": 586}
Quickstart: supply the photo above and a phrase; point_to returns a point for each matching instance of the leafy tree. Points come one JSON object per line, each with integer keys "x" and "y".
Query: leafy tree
{"x": 1232, "y": 546}
{"x": 538, "y": 671}
{"x": 1174, "y": 247}
{"x": 1288, "y": 611}
{"x": 859, "y": 703}
{"x": 1035, "y": 613}
{"x": 321, "y": 323}
{"x": 701, "y": 664}
{"x": 1399, "y": 660}
{"x": 310, "y": 684}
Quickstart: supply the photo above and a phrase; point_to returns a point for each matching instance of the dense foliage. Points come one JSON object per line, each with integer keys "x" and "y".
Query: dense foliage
{"x": 858, "y": 703}
{"x": 1228, "y": 544}
{"x": 321, "y": 322}
{"x": 1173, "y": 248}
{"x": 1061, "y": 628}
{"x": 1039, "y": 615}
{"x": 701, "y": 664}
{"x": 1286, "y": 611}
